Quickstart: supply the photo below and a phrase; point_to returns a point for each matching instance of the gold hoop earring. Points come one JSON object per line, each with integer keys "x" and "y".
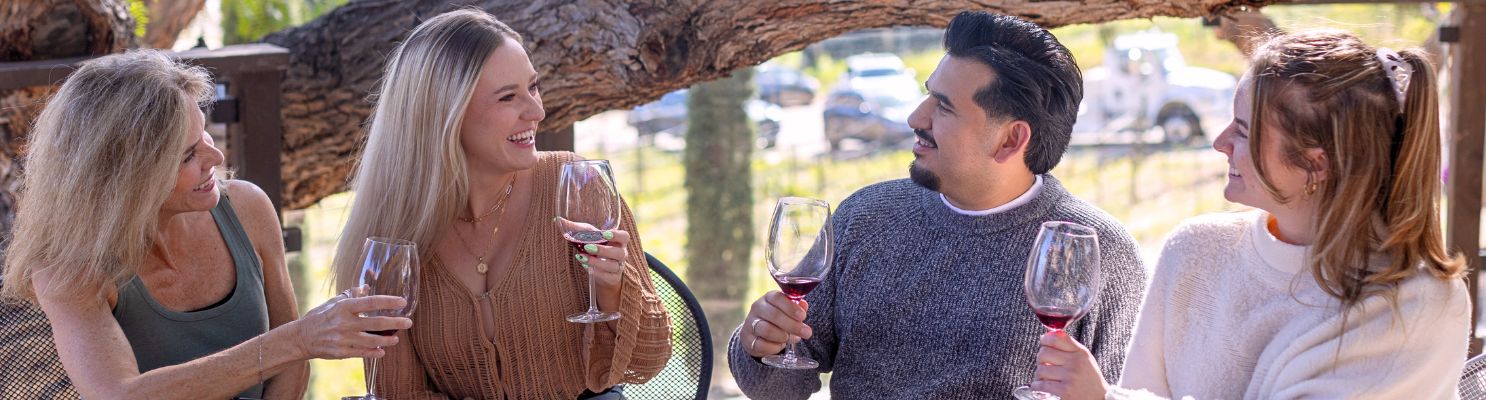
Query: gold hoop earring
{"x": 1311, "y": 189}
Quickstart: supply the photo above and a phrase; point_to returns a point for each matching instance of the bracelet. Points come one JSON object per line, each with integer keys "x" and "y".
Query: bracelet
{"x": 260, "y": 360}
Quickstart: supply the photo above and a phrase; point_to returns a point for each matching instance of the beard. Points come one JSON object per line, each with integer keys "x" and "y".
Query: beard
{"x": 923, "y": 177}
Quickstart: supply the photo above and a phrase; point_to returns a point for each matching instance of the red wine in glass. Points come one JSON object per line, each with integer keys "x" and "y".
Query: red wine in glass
{"x": 1054, "y": 318}
{"x": 580, "y": 239}
{"x": 796, "y": 287}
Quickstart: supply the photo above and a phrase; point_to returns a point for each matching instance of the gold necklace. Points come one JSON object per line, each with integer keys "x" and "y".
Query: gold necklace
{"x": 504, "y": 195}
{"x": 484, "y": 266}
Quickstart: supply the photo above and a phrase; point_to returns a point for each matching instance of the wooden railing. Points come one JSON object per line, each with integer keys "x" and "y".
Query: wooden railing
{"x": 252, "y": 74}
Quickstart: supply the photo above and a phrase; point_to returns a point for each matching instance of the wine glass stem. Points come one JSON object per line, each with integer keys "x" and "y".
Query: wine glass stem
{"x": 593, "y": 307}
{"x": 789, "y": 348}
{"x": 371, "y": 377}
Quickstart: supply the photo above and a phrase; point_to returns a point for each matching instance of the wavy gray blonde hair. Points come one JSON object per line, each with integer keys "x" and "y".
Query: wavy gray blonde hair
{"x": 103, "y": 158}
{"x": 412, "y": 177}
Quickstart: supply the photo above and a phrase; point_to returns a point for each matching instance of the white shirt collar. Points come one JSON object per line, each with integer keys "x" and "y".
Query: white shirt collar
{"x": 1014, "y": 203}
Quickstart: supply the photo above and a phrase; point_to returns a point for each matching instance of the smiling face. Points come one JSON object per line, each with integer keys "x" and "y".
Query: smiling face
{"x": 195, "y": 184}
{"x": 498, "y": 131}
{"x": 955, "y": 136}
{"x": 1244, "y": 186}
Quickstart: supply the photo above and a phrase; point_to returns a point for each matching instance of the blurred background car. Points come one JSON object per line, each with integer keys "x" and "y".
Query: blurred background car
{"x": 784, "y": 86}
{"x": 873, "y": 102}
{"x": 1146, "y": 84}
{"x": 667, "y": 116}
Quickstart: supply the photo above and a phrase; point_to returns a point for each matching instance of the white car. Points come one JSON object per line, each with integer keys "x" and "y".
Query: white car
{"x": 1146, "y": 84}
{"x": 873, "y": 101}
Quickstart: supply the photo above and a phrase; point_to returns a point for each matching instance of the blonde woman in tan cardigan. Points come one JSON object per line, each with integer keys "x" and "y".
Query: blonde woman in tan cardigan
{"x": 450, "y": 164}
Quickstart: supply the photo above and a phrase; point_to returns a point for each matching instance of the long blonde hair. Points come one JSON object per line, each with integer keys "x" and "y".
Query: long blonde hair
{"x": 1378, "y": 217}
{"x": 103, "y": 158}
{"x": 412, "y": 178}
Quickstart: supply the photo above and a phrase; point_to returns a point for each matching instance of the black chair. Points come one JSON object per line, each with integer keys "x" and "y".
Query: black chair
{"x": 29, "y": 365}
{"x": 1473, "y": 379}
{"x": 689, "y": 372}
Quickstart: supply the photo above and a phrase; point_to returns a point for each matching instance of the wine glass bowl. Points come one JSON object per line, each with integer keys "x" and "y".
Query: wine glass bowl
{"x": 799, "y": 257}
{"x": 1062, "y": 280}
{"x": 389, "y": 267}
{"x": 587, "y": 209}
{"x": 1063, "y": 273}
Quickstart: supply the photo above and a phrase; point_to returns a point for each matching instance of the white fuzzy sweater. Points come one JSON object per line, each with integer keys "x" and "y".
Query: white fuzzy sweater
{"x": 1232, "y": 313}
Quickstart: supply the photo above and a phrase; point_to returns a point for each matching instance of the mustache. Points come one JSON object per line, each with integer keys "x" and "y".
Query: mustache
{"x": 925, "y": 135}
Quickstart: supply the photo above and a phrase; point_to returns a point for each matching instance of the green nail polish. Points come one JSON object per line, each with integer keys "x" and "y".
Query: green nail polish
{"x": 582, "y": 259}
{"x": 608, "y": 235}
{"x": 591, "y": 248}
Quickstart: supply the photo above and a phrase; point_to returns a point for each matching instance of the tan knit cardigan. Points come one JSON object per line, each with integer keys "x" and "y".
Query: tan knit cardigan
{"x": 536, "y": 353}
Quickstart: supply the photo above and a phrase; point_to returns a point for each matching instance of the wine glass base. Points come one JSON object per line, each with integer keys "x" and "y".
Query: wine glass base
{"x": 779, "y": 361}
{"x": 592, "y": 317}
{"x": 1026, "y": 393}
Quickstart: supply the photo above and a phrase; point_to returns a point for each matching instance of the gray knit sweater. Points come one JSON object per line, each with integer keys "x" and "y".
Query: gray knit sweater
{"x": 926, "y": 303}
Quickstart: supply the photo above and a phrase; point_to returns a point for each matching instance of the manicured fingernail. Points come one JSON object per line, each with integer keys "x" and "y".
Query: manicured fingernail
{"x": 582, "y": 259}
{"x": 591, "y": 248}
{"x": 608, "y": 235}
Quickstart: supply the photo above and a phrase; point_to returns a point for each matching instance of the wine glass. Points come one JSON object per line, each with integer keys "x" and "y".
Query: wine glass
{"x": 389, "y": 267}
{"x": 587, "y": 208}
{"x": 799, "y": 256}
{"x": 1062, "y": 280}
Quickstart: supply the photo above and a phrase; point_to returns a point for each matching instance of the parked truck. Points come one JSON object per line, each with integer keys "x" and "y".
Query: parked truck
{"x": 1145, "y": 84}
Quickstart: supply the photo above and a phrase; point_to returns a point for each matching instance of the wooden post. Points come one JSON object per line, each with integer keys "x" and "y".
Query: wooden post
{"x": 1468, "y": 72}
{"x": 255, "y": 142}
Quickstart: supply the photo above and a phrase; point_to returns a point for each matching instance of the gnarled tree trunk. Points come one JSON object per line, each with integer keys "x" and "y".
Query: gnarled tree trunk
{"x": 599, "y": 55}
{"x": 719, "y": 204}
{"x": 43, "y": 30}
{"x": 1246, "y": 29}
{"x": 167, "y": 19}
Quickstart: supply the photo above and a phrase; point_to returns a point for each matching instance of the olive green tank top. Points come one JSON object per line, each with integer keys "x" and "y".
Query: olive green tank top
{"x": 162, "y": 337}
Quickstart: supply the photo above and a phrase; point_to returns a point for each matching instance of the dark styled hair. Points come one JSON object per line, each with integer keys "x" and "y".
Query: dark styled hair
{"x": 1036, "y": 79}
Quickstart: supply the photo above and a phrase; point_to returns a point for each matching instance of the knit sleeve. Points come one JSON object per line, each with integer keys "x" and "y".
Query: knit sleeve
{"x": 635, "y": 347}
{"x": 400, "y": 374}
{"x": 1106, "y": 329}
{"x": 1412, "y": 351}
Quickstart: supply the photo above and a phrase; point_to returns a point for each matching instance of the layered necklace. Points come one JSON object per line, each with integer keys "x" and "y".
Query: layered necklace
{"x": 499, "y": 210}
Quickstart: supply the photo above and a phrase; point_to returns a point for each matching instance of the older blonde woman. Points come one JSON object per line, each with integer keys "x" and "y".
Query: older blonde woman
{"x": 450, "y": 163}
{"x": 161, "y": 281}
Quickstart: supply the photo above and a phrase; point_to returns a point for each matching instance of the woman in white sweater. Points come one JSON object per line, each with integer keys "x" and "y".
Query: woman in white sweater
{"x": 1338, "y": 285}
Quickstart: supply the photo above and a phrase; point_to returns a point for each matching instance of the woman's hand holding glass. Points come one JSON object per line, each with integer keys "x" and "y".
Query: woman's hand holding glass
{"x": 588, "y": 213}
{"x": 604, "y": 261}
{"x": 336, "y": 329}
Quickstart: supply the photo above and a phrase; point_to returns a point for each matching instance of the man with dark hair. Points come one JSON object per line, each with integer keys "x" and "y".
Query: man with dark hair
{"x": 925, "y": 297}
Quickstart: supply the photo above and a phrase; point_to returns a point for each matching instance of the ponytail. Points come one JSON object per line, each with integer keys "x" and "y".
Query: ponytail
{"x": 1411, "y": 211}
